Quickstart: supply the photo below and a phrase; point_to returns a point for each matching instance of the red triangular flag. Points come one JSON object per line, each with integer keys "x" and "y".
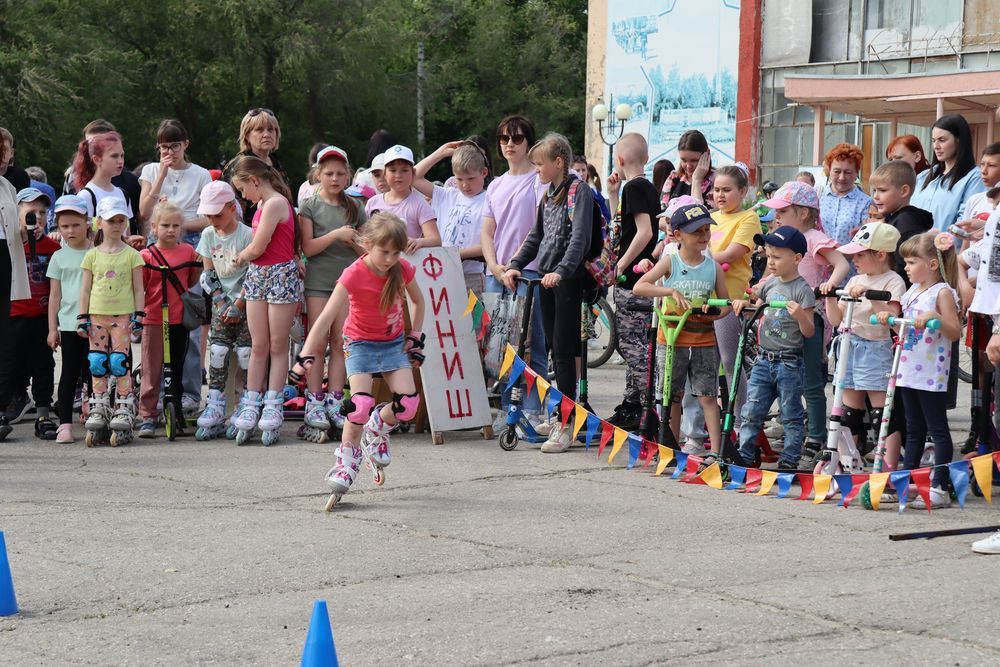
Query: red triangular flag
{"x": 691, "y": 470}
{"x": 607, "y": 431}
{"x": 996, "y": 459}
{"x": 648, "y": 450}
{"x": 857, "y": 481}
{"x": 752, "y": 483}
{"x": 922, "y": 478}
{"x": 806, "y": 482}
{"x": 529, "y": 380}
{"x": 566, "y": 407}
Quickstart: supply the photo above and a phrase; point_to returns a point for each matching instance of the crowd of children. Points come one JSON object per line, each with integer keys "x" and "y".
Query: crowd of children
{"x": 96, "y": 286}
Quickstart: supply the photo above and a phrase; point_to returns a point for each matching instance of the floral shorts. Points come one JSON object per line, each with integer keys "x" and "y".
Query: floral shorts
{"x": 274, "y": 283}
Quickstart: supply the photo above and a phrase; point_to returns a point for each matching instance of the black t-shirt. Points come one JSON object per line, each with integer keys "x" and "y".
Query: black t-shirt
{"x": 129, "y": 184}
{"x": 910, "y": 221}
{"x": 17, "y": 177}
{"x": 638, "y": 196}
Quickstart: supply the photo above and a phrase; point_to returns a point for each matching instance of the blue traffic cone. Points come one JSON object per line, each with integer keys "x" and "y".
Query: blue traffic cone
{"x": 319, "y": 650}
{"x": 8, "y": 602}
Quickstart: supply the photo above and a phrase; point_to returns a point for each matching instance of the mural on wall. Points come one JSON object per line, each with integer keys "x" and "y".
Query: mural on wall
{"x": 675, "y": 62}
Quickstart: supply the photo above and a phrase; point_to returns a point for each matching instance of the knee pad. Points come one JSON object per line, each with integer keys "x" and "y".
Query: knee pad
{"x": 243, "y": 357}
{"x": 217, "y": 355}
{"x": 358, "y": 408}
{"x": 404, "y": 406}
{"x": 854, "y": 420}
{"x": 876, "y": 414}
{"x": 98, "y": 363}
{"x": 119, "y": 364}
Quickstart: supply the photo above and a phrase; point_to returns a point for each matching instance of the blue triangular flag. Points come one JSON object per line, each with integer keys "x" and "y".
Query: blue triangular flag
{"x": 900, "y": 481}
{"x": 785, "y": 480}
{"x": 844, "y": 483}
{"x": 593, "y": 423}
{"x": 552, "y": 400}
{"x": 682, "y": 461}
{"x": 959, "y": 473}
{"x": 634, "y": 447}
{"x": 737, "y": 475}
{"x": 516, "y": 369}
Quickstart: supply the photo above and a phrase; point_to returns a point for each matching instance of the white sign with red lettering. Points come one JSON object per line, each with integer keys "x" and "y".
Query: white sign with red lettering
{"x": 452, "y": 374}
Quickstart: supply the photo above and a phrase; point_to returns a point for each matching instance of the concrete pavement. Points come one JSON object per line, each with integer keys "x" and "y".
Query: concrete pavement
{"x": 192, "y": 553}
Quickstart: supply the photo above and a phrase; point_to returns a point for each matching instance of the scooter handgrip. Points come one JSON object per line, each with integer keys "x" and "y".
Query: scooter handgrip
{"x": 725, "y": 266}
{"x": 777, "y": 304}
{"x": 622, "y": 279}
{"x": 719, "y": 303}
{"x": 639, "y": 308}
{"x": 833, "y": 293}
{"x": 878, "y": 295}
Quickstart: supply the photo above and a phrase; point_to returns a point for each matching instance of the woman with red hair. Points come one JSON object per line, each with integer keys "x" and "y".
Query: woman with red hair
{"x": 907, "y": 147}
{"x": 843, "y": 206}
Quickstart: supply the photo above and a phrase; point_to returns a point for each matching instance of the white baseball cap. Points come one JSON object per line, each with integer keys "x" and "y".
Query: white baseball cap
{"x": 109, "y": 207}
{"x": 398, "y": 152}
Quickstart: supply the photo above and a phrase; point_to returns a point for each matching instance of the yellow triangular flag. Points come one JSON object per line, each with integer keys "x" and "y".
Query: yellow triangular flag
{"x": 712, "y": 476}
{"x": 619, "y": 439}
{"x": 982, "y": 467}
{"x": 579, "y": 419}
{"x": 821, "y": 486}
{"x": 543, "y": 388}
{"x": 876, "y": 485}
{"x": 666, "y": 456}
{"x": 508, "y": 360}
{"x": 471, "y": 304}
{"x": 767, "y": 479}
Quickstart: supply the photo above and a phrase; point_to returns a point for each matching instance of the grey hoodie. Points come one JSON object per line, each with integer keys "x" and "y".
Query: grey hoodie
{"x": 560, "y": 244}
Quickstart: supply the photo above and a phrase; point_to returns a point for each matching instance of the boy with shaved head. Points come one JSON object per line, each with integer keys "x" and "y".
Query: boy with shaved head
{"x": 637, "y": 231}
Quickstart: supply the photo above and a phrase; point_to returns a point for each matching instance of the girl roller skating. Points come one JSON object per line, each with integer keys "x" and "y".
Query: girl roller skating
{"x": 109, "y": 301}
{"x": 272, "y": 290}
{"x": 374, "y": 342}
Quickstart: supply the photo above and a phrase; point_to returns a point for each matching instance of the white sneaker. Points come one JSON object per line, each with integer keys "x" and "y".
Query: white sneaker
{"x": 694, "y": 448}
{"x": 617, "y": 359}
{"x": 543, "y": 425}
{"x": 988, "y": 545}
{"x": 558, "y": 441}
{"x": 939, "y": 499}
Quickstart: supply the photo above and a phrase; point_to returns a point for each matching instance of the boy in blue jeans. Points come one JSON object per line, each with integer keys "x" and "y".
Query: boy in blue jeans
{"x": 779, "y": 370}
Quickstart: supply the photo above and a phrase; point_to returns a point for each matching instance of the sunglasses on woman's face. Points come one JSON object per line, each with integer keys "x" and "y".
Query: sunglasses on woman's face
{"x": 259, "y": 111}
{"x": 518, "y": 139}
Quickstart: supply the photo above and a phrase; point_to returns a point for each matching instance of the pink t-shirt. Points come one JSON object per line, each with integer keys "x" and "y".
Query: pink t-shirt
{"x": 512, "y": 201}
{"x": 414, "y": 211}
{"x": 365, "y": 319}
{"x": 281, "y": 247}
{"x": 152, "y": 282}
{"x": 813, "y": 267}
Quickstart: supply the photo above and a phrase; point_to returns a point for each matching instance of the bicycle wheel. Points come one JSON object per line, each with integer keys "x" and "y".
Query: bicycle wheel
{"x": 604, "y": 339}
{"x": 965, "y": 364}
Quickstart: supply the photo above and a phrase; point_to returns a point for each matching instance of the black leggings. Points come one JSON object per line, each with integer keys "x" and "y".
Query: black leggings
{"x": 5, "y": 284}
{"x": 74, "y": 365}
{"x": 27, "y": 357}
{"x": 927, "y": 413}
{"x": 561, "y": 307}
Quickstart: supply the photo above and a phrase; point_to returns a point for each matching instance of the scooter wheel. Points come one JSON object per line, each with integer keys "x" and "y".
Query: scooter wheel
{"x": 508, "y": 439}
{"x": 865, "y": 496}
{"x": 170, "y": 420}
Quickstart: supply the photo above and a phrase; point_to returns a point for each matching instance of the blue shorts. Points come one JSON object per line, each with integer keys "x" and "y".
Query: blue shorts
{"x": 364, "y": 357}
{"x": 869, "y": 365}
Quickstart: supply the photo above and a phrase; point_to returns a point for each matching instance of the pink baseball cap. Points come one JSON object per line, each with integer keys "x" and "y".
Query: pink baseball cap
{"x": 214, "y": 197}
{"x": 794, "y": 193}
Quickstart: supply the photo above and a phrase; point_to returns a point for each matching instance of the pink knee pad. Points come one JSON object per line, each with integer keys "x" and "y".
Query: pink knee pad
{"x": 358, "y": 407}
{"x": 404, "y": 406}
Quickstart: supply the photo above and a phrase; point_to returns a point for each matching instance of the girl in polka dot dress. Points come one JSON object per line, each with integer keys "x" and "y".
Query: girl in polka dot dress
{"x": 922, "y": 378}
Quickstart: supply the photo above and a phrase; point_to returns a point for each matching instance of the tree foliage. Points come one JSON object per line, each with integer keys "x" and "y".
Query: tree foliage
{"x": 332, "y": 70}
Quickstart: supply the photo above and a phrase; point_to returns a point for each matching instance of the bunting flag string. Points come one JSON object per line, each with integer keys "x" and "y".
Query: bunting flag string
{"x": 688, "y": 468}
{"x": 480, "y": 317}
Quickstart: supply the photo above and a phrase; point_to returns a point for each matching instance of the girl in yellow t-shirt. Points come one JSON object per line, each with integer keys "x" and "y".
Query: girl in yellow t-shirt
{"x": 110, "y": 302}
{"x": 732, "y": 245}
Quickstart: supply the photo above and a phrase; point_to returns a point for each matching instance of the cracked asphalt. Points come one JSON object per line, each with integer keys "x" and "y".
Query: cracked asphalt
{"x": 205, "y": 553}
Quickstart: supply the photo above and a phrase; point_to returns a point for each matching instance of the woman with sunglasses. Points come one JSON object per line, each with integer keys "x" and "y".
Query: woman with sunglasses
{"x": 260, "y": 135}
{"x": 508, "y": 216}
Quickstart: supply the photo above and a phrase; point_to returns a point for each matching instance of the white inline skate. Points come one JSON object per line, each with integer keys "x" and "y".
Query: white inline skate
{"x": 271, "y": 417}
{"x": 335, "y": 410}
{"x": 212, "y": 421}
{"x": 123, "y": 421}
{"x": 97, "y": 420}
{"x": 317, "y": 424}
{"x": 246, "y": 416}
{"x": 375, "y": 438}
{"x": 343, "y": 473}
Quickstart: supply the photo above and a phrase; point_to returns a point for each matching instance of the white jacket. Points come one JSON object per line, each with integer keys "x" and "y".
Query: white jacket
{"x": 12, "y": 231}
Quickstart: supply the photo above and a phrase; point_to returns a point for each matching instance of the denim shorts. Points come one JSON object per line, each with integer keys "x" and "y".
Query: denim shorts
{"x": 869, "y": 365}
{"x": 701, "y": 366}
{"x": 364, "y": 357}
{"x": 274, "y": 283}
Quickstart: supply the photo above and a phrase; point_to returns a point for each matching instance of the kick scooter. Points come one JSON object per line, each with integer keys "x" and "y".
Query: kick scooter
{"x": 509, "y": 437}
{"x": 986, "y": 435}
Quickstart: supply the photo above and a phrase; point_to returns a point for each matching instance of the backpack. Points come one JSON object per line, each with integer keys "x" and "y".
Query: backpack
{"x": 601, "y": 261}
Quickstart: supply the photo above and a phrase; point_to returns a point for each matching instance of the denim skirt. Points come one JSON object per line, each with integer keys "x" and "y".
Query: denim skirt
{"x": 374, "y": 356}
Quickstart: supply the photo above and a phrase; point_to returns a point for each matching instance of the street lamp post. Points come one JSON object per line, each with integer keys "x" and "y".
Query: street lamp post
{"x": 600, "y": 113}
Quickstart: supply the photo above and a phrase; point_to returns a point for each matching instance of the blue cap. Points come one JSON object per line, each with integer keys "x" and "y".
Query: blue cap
{"x": 690, "y": 218}
{"x": 74, "y": 203}
{"x": 31, "y": 194}
{"x": 784, "y": 237}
